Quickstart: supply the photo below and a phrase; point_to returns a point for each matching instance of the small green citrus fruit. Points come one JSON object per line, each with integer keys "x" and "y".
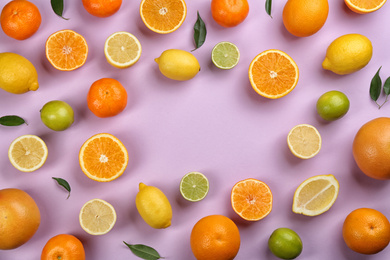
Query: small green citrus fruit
{"x": 332, "y": 105}
{"x": 285, "y": 243}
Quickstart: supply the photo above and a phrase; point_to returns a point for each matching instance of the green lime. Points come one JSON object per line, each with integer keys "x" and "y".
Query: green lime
{"x": 332, "y": 105}
{"x": 225, "y": 55}
{"x": 57, "y": 115}
{"x": 285, "y": 243}
{"x": 194, "y": 186}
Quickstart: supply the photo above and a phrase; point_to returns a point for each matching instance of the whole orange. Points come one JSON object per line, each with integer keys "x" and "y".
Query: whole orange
{"x": 229, "y": 13}
{"x": 107, "y": 97}
{"x": 371, "y": 148}
{"x": 215, "y": 237}
{"x": 102, "y": 8}
{"x": 303, "y": 18}
{"x": 366, "y": 231}
{"x": 64, "y": 247}
{"x": 19, "y": 218}
{"x": 20, "y": 19}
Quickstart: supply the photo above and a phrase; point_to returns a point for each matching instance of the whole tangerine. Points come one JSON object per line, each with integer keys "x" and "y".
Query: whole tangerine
{"x": 107, "y": 97}
{"x": 102, "y": 8}
{"x": 64, "y": 247}
{"x": 215, "y": 237}
{"x": 229, "y": 13}
{"x": 20, "y": 19}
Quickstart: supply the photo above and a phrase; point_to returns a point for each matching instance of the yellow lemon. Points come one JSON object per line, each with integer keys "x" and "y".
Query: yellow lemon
{"x": 17, "y": 74}
{"x": 347, "y": 54}
{"x": 178, "y": 64}
{"x": 153, "y": 206}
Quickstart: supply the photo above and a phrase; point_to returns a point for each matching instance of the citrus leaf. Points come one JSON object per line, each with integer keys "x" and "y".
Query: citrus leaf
{"x": 58, "y": 7}
{"x": 12, "y": 121}
{"x": 386, "y": 86}
{"x": 144, "y": 252}
{"x": 64, "y": 184}
{"x": 200, "y": 32}
{"x": 268, "y": 7}
{"x": 376, "y": 86}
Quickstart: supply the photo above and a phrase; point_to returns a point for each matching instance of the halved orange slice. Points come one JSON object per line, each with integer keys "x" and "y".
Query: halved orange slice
{"x": 273, "y": 74}
{"x": 163, "y": 16}
{"x": 364, "y": 6}
{"x": 66, "y": 50}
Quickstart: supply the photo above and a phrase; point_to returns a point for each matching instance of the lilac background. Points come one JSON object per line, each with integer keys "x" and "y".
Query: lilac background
{"x": 214, "y": 123}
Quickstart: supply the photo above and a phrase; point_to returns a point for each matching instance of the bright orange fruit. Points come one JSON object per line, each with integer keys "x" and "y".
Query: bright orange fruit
{"x": 102, "y": 8}
{"x": 229, "y": 13}
{"x": 251, "y": 199}
{"x": 364, "y": 6}
{"x": 64, "y": 247}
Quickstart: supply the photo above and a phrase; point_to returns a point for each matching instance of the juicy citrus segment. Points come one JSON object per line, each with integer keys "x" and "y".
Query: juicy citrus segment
{"x": 27, "y": 153}
{"x": 251, "y": 199}
{"x": 225, "y": 55}
{"x": 97, "y": 217}
{"x": 364, "y": 6}
{"x": 103, "y": 157}
{"x": 315, "y": 195}
{"x": 66, "y": 50}
{"x": 273, "y": 74}
{"x": 122, "y": 49}
{"x": 194, "y": 186}
{"x": 163, "y": 16}
{"x": 304, "y": 141}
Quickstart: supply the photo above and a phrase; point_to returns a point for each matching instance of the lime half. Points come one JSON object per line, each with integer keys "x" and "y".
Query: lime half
{"x": 225, "y": 55}
{"x": 194, "y": 186}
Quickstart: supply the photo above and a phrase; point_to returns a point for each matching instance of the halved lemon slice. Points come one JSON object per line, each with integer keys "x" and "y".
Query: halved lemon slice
{"x": 122, "y": 49}
{"x": 315, "y": 195}
{"x": 304, "y": 141}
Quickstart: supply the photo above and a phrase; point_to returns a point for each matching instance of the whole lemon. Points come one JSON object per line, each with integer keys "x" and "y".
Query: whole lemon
{"x": 178, "y": 64}
{"x": 347, "y": 54}
{"x": 17, "y": 74}
{"x": 153, "y": 206}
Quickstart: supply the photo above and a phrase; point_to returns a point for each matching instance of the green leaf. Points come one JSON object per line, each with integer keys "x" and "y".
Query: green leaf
{"x": 12, "y": 121}
{"x": 64, "y": 184}
{"x": 268, "y": 7}
{"x": 386, "y": 86}
{"x": 200, "y": 32}
{"x": 376, "y": 86}
{"x": 58, "y": 7}
{"x": 144, "y": 252}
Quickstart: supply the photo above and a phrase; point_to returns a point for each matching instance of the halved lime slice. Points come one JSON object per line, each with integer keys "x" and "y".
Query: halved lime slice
{"x": 225, "y": 55}
{"x": 194, "y": 186}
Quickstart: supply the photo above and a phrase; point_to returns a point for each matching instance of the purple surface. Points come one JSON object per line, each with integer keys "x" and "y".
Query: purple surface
{"x": 215, "y": 123}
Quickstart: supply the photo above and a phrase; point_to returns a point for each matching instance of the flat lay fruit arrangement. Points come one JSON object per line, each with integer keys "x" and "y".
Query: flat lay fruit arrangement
{"x": 208, "y": 130}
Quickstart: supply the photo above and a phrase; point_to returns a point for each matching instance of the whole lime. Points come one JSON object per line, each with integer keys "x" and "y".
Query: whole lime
{"x": 332, "y": 105}
{"x": 57, "y": 115}
{"x": 285, "y": 243}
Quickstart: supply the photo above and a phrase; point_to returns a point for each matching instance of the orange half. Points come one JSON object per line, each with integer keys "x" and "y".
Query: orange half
{"x": 66, "y": 50}
{"x": 251, "y": 199}
{"x": 163, "y": 16}
{"x": 103, "y": 157}
{"x": 273, "y": 74}
{"x": 364, "y": 6}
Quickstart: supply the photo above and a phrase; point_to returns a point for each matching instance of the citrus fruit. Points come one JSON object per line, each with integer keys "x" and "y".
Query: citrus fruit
{"x": 371, "y": 148}
{"x": 315, "y": 195}
{"x": 273, "y": 74}
{"x": 27, "y": 153}
{"x": 285, "y": 243}
{"x": 251, "y": 199}
{"x": 153, "y": 206}
{"x": 66, "y": 50}
{"x": 63, "y": 247}
{"x": 178, "y": 64}
{"x": 20, "y": 19}
{"x": 194, "y": 186}
{"x": 225, "y": 55}
{"x": 122, "y": 49}
{"x": 97, "y": 217}
{"x": 215, "y": 237}
{"x": 303, "y": 18}
{"x": 366, "y": 231}
{"x": 332, "y": 105}
{"x": 103, "y": 157}
{"x": 57, "y": 115}
{"x": 304, "y": 141}
{"x": 106, "y": 97}
{"x": 17, "y": 74}
{"x": 347, "y": 54}
{"x": 229, "y": 13}
{"x": 102, "y": 8}
{"x": 364, "y": 6}
{"x": 163, "y": 16}
{"x": 19, "y": 218}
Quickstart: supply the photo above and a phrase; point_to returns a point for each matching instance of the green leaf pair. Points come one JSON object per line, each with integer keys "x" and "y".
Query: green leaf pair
{"x": 376, "y": 88}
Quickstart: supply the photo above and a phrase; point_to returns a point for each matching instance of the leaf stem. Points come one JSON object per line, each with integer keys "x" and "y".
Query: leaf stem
{"x": 379, "y": 106}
